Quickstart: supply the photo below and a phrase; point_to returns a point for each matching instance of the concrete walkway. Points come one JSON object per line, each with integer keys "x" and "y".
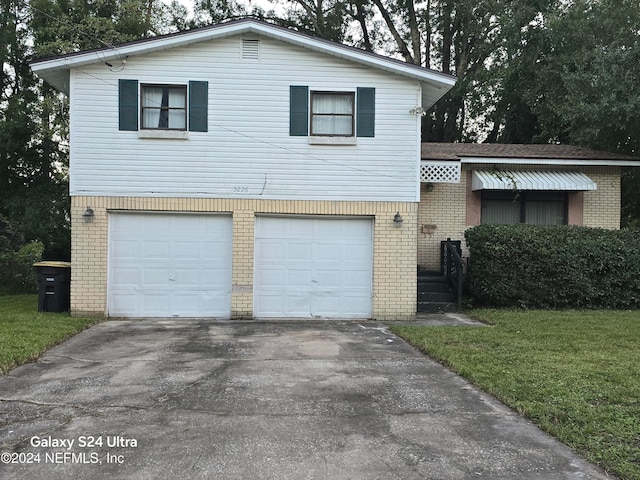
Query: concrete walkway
{"x": 260, "y": 400}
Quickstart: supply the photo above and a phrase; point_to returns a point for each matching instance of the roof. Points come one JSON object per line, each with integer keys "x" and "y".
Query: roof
{"x": 55, "y": 70}
{"x": 512, "y": 153}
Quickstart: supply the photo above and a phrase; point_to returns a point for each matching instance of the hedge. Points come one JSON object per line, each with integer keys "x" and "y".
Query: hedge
{"x": 532, "y": 266}
{"x": 17, "y": 274}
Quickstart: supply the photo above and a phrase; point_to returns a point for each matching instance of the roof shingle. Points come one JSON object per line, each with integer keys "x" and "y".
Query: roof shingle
{"x": 454, "y": 151}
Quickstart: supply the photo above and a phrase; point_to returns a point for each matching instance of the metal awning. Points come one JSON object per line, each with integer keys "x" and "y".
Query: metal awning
{"x": 530, "y": 180}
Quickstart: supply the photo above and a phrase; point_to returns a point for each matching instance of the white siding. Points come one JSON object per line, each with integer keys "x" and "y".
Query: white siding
{"x": 247, "y": 152}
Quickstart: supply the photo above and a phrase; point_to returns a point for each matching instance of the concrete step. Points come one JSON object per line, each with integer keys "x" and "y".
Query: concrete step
{"x": 437, "y": 307}
{"x": 441, "y": 287}
{"x": 433, "y": 296}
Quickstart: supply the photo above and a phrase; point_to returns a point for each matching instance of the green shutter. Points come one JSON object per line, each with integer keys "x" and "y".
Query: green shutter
{"x": 128, "y": 105}
{"x": 298, "y": 111}
{"x": 198, "y": 106}
{"x": 366, "y": 108}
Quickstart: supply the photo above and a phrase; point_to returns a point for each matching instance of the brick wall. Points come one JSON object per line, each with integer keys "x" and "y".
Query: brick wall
{"x": 449, "y": 209}
{"x": 394, "y": 265}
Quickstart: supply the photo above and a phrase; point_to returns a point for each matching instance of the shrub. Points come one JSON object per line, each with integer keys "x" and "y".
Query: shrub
{"x": 17, "y": 274}
{"x": 554, "y": 266}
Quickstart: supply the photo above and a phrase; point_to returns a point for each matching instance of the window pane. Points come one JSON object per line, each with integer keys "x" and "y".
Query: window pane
{"x": 151, "y": 118}
{"x": 177, "y": 119}
{"x": 333, "y": 103}
{"x": 177, "y": 98}
{"x": 500, "y": 211}
{"x": 152, "y": 97}
{"x": 331, "y": 125}
{"x": 544, "y": 213}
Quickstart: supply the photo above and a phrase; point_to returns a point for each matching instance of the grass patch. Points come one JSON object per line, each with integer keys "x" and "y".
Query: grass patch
{"x": 25, "y": 333}
{"x": 576, "y": 374}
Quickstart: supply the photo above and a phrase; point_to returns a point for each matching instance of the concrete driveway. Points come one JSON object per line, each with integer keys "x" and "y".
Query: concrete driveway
{"x": 247, "y": 400}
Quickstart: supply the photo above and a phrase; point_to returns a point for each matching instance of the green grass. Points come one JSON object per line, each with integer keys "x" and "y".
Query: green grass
{"x": 576, "y": 374}
{"x": 25, "y": 334}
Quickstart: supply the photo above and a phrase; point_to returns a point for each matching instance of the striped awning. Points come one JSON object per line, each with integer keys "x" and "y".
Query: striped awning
{"x": 530, "y": 180}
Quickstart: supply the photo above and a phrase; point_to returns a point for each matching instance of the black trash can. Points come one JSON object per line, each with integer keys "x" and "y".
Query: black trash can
{"x": 54, "y": 286}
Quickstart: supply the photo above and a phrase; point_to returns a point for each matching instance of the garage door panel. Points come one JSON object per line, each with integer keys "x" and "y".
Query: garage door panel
{"x": 167, "y": 265}
{"x": 125, "y": 276}
{"x": 186, "y": 277}
{"x": 355, "y": 279}
{"x": 300, "y": 251}
{"x": 298, "y": 278}
{"x": 124, "y": 302}
{"x": 156, "y": 250}
{"x": 154, "y": 304}
{"x": 298, "y": 228}
{"x": 187, "y": 304}
{"x": 125, "y": 249}
{"x": 328, "y": 278}
{"x": 270, "y": 251}
{"x": 271, "y": 278}
{"x": 155, "y": 277}
{"x": 127, "y": 225}
{"x": 357, "y": 253}
{"x": 298, "y": 305}
{"x": 213, "y": 251}
{"x": 353, "y": 304}
{"x": 214, "y": 277}
{"x": 319, "y": 261}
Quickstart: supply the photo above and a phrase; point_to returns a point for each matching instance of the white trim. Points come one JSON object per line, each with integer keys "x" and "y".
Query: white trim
{"x": 56, "y": 70}
{"x": 164, "y": 134}
{"x": 550, "y": 161}
{"x": 316, "y": 140}
{"x": 531, "y": 180}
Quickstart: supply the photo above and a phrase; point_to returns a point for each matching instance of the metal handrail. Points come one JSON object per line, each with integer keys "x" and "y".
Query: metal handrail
{"x": 454, "y": 269}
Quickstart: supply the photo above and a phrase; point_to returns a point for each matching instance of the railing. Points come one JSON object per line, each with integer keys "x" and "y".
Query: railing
{"x": 452, "y": 266}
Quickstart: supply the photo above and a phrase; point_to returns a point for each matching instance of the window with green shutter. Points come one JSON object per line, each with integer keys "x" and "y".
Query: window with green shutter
{"x": 163, "y": 107}
{"x": 332, "y": 113}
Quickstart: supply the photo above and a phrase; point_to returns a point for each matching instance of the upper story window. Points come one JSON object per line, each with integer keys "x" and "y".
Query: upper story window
{"x": 163, "y": 111}
{"x": 332, "y": 114}
{"x": 164, "y": 107}
{"x": 331, "y": 117}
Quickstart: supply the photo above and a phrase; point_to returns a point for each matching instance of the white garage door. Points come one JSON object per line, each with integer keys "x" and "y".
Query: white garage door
{"x": 313, "y": 267}
{"x": 169, "y": 265}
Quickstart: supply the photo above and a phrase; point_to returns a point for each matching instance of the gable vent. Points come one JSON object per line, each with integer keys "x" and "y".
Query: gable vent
{"x": 250, "y": 49}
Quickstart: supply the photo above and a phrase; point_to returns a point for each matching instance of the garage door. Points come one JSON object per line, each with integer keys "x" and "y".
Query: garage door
{"x": 169, "y": 265}
{"x": 313, "y": 267}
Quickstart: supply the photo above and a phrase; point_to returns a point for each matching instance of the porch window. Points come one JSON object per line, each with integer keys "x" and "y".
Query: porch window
{"x": 332, "y": 114}
{"x": 533, "y": 207}
{"x": 164, "y": 107}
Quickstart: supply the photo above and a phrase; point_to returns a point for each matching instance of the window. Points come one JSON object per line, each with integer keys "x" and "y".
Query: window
{"x": 340, "y": 117}
{"x": 533, "y": 207}
{"x": 332, "y": 113}
{"x": 164, "y": 107}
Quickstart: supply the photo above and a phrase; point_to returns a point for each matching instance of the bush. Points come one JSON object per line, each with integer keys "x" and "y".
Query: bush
{"x": 17, "y": 274}
{"x": 533, "y": 266}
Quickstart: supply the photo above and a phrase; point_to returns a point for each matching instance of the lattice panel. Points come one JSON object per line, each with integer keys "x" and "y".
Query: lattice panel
{"x": 440, "y": 172}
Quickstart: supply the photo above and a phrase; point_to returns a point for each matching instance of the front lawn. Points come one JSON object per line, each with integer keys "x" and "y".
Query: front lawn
{"x": 25, "y": 333}
{"x": 576, "y": 374}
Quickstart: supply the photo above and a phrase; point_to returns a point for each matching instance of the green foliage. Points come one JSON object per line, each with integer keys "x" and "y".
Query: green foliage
{"x": 554, "y": 267}
{"x": 575, "y": 374}
{"x": 17, "y": 274}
